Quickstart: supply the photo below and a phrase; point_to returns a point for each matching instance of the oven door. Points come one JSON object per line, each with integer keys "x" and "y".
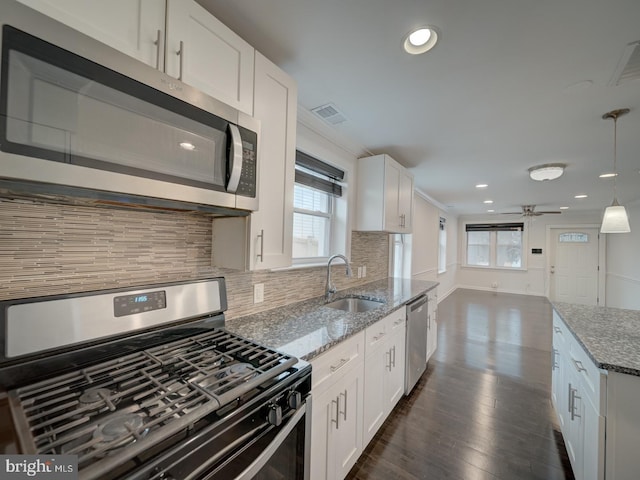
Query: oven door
{"x": 243, "y": 446}
{"x": 287, "y": 454}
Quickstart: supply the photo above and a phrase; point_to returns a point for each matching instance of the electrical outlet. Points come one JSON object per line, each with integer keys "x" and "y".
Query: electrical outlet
{"x": 359, "y": 272}
{"x": 494, "y": 284}
{"x": 364, "y": 271}
{"x": 258, "y": 293}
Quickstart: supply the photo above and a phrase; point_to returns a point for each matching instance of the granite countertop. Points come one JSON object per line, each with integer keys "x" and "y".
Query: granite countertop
{"x": 610, "y": 336}
{"x": 306, "y": 329}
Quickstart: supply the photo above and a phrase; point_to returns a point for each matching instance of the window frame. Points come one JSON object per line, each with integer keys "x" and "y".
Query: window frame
{"x": 328, "y": 234}
{"x": 493, "y": 248}
{"x": 325, "y": 177}
{"x": 442, "y": 245}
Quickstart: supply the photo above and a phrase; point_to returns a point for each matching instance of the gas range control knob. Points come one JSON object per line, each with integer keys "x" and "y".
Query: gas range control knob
{"x": 294, "y": 400}
{"x": 274, "y": 417}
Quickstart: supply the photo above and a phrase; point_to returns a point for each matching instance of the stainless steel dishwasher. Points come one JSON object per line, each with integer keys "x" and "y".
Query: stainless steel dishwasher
{"x": 416, "y": 343}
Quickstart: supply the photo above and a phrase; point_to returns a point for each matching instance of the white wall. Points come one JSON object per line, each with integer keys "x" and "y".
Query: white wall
{"x": 424, "y": 245}
{"x": 531, "y": 280}
{"x": 623, "y": 264}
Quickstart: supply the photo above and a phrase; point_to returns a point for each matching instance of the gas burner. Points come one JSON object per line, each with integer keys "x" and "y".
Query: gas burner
{"x": 98, "y": 399}
{"x": 119, "y": 431}
{"x": 237, "y": 370}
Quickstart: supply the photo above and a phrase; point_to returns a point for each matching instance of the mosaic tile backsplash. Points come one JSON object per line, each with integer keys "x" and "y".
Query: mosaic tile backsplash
{"x": 48, "y": 249}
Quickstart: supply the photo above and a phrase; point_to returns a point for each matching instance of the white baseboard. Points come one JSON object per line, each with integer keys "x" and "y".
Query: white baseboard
{"x": 500, "y": 290}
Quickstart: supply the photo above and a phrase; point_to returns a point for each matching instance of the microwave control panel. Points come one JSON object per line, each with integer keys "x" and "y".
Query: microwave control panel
{"x": 249, "y": 173}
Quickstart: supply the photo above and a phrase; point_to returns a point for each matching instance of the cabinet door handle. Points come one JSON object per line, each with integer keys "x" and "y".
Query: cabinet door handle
{"x": 554, "y": 364}
{"x": 158, "y": 43}
{"x": 261, "y": 254}
{"x": 570, "y": 398}
{"x": 340, "y": 364}
{"x": 344, "y": 394}
{"x": 180, "y": 53}
{"x": 388, "y": 365}
{"x": 573, "y": 403}
{"x": 394, "y": 356}
{"x": 557, "y": 329}
{"x": 579, "y": 366}
{"x": 337, "y": 420}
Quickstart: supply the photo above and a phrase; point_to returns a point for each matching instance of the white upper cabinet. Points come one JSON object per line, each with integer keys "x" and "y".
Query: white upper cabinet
{"x": 275, "y": 105}
{"x": 131, "y": 26}
{"x": 385, "y": 195}
{"x": 185, "y": 41}
{"x": 206, "y": 54}
{"x": 269, "y": 230}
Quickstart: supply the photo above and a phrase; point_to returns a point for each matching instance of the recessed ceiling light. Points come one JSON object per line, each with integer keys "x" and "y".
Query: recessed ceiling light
{"x": 488, "y": 201}
{"x": 420, "y": 40}
{"x": 187, "y": 146}
{"x": 482, "y": 185}
{"x": 608, "y": 175}
{"x": 582, "y": 195}
{"x": 548, "y": 171}
{"x": 564, "y": 208}
{"x": 491, "y": 211}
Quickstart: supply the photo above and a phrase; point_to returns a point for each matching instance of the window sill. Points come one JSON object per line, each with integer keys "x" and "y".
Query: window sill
{"x": 503, "y": 269}
{"x": 300, "y": 266}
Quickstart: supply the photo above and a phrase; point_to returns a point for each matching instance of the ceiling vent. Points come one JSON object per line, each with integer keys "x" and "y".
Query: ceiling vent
{"x": 629, "y": 66}
{"x": 330, "y": 114}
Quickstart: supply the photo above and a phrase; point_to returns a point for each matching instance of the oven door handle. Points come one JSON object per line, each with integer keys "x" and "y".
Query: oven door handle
{"x": 253, "y": 469}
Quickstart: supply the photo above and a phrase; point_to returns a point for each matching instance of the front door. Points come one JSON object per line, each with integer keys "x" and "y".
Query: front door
{"x": 574, "y": 265}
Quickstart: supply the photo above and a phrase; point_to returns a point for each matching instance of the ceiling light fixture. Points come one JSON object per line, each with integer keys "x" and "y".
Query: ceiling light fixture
{"x": 548, "y": 171}
{"x": 488, "y": 201}
{"x": 608, "y": 175}
{"x": 581, "y": 195}
{"x": 482, "y": 185}
{"x": 420, "y": 40}
{"x": 615, "y": 219}
{"x": 564, "y": 208}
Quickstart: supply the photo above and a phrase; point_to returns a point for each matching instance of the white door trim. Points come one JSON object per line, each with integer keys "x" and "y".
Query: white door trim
{"x": 602, "y": 267}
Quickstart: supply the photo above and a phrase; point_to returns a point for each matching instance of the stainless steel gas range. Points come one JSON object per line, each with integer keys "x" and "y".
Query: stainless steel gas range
{"x": 146, "y": 383}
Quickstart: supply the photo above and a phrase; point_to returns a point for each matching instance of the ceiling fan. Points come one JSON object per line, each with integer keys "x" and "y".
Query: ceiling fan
{"x": 530, "y": 211}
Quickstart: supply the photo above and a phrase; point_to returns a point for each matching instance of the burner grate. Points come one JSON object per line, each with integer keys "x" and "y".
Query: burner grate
{"x": 112, "y": 411}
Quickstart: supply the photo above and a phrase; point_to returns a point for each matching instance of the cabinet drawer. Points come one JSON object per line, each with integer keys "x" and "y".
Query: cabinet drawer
{"x": 377, "y": 333}
{"x": 590, "y": 375}
{"x": 561, "y": 334}
{"x": 328, "y": 367}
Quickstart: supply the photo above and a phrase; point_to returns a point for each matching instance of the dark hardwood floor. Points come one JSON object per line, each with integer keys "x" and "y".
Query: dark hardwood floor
{"x": 482, "y": 410}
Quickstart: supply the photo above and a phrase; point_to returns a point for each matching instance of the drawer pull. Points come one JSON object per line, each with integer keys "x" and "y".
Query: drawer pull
{"x": 398, "y": 322}
{"x": 554, "y": 364}
{"x": 340, "y": 364}
{"x": 379, "y": 336}
{"x": 557, "y": 329}
{"x": 579, "y": 365}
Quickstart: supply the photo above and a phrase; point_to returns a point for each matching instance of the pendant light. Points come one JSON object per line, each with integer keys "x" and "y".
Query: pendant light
{"x": 615, "y": 218}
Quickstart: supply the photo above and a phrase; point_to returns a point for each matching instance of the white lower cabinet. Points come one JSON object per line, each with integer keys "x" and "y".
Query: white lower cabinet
{"x": 384, "y": 370}
{"x": 355, "y": 386}
{"x": 337, "y": 396}
{"x": 578, "y": 393}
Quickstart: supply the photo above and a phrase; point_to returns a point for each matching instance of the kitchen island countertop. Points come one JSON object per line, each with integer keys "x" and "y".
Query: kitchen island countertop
{"x": 307, "y": 328}
{"x": 610, "y": 336}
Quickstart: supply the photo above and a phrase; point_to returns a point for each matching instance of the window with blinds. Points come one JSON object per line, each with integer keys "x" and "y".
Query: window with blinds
{"x": 495, "y": 245}
{"x": 317, "y": 184}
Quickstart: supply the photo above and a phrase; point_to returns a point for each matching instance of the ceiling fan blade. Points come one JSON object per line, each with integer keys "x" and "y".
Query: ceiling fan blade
{"x": 547, "y": 212}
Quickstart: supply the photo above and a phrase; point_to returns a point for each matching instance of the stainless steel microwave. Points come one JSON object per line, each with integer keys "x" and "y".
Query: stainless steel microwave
{"x": 77, "y": 115}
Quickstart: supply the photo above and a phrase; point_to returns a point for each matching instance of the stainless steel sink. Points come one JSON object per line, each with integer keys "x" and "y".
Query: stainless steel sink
{"x": 354, "y": 305}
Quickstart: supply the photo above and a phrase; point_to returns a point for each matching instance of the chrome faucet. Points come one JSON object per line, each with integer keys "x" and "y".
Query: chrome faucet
{"x": 330, "y": 289}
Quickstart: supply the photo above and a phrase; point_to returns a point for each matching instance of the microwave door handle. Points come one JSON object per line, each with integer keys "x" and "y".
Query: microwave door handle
{"x": 235, "y": 159}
